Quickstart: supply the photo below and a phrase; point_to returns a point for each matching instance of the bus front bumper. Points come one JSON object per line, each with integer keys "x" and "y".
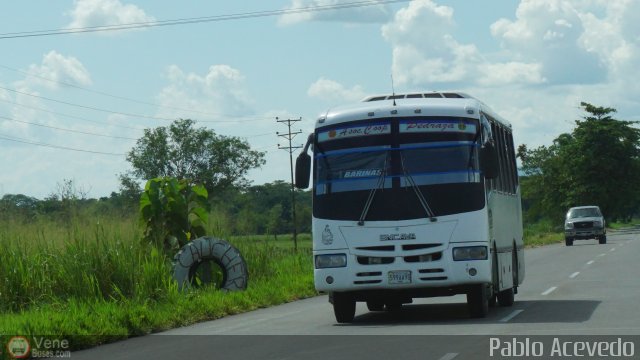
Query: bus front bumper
{"x": 401, "y": 275}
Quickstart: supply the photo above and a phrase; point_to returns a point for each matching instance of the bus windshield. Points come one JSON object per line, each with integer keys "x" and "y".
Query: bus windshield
{"x": 411, "y": 153}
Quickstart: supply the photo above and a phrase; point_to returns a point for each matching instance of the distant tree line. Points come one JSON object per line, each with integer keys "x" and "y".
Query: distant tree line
{"x": 197, "y": 155}
{"x": 248, "y": 210}
{"x": 598, "y": 163}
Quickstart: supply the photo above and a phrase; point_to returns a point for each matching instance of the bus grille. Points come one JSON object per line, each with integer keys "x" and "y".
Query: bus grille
{"x": 364, "y": 282}
{"x": 374, "y": 260}
{"x": 423, "y": 258}
{"x": 434, "y": 272}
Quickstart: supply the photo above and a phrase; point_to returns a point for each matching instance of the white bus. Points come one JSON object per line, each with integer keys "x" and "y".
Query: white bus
{"x": 414, "y": 195}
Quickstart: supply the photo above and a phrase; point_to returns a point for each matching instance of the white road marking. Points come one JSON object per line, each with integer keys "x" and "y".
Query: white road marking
{"x": 511, "y": 316}
{"x": 590, "y": 262}
{"x": 449, "y": 356}
{"x": 614, "y": 249}
{"x": 549, "y": 290}
{"x": 574, "y": 274}
{"x": 602, "y": 254}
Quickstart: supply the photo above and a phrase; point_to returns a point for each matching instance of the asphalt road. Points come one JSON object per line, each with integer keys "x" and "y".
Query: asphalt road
{"x": 587, "y": 293}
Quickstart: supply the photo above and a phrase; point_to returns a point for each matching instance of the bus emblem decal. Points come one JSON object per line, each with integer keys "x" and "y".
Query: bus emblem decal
{"x": 327, "y": 236}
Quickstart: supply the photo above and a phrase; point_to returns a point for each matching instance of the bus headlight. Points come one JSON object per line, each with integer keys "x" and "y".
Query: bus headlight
{"x": 597, "y": 223}
{"x": 331, "y": 261}
{"x": 568, "y": 225}
{"x": 470, "y": 253}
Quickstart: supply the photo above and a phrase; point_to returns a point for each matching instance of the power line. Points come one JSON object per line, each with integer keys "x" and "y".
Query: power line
{"x": 112, "y": 95}
{"x": 69, "y": 116}
{"x": 124, "y": 113}
{"x": 194, "y": 20}
{"x": 86, "y": 107}
{"x": 25, "y": 141}
{"x": 67, "y": 130}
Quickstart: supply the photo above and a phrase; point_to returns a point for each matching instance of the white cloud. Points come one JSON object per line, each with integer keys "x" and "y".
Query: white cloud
{"x": 550, "y": 41}
{"x": 221, "y": 93}
{"x": 331, "y": 90}
{"x": 58, "y": 68}
{"x": 87, "y": 13}
{"x": 367, "y": 14}
{"x": 555, "y": 54}
{"x": 550, "y": 32}
{"x": 424, "y": 51}
{"x": 496, "y": 74}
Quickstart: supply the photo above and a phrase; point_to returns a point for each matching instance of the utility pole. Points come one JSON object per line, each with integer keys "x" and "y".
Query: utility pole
{"x": 289, "y": 136}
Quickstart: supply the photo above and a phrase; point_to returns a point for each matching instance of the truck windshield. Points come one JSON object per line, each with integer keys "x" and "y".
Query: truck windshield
{"x": 442, "y": 164}
{"x": 583, "y": 213}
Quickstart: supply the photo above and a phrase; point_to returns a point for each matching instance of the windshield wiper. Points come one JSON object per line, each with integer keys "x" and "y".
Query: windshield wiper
{"x": 373, "y": 191}
{"x": 418, "y": 192}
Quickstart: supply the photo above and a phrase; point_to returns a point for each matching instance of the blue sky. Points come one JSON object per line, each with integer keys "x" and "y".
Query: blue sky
{"x": 533, "y": 61}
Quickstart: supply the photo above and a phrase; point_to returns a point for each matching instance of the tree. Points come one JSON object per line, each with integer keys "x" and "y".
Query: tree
{"x": 18, "y": 205}
{"x": 174, "y": 212}
{"x": 198, "y": 155}
{"x": 594, "y": 165}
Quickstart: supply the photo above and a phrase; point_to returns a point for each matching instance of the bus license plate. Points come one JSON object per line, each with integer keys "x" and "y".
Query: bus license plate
{"x": 400, "y": 277}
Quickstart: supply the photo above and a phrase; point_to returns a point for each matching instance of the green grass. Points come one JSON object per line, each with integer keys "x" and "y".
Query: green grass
{"x": 542, "y": 233}
{"x": 95, "y": 278}
{"x": 623, "y": 224}
{"x": 91, "y": 280}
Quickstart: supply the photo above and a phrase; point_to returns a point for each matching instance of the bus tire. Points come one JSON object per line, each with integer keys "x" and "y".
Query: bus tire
{"x": 478, "y": 301}
{"x": 568, "y": 241}
{"x": 344, "y": 307}
{"x": 234, "y": 268}
{"x": 375, "y": 305}
{"x": 494, "y": 278}
{"x": 602, "y": 239}
{"x": 393, "y": 306}
{"x": 506, "y": 297}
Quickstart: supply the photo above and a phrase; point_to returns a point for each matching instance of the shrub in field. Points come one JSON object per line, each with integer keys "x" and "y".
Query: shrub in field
{"x": 173, "y": 212}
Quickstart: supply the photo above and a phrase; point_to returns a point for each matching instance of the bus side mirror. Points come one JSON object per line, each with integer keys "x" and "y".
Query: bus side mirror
{"x": 303, "y": 170}
{"x": 489, "y": 161}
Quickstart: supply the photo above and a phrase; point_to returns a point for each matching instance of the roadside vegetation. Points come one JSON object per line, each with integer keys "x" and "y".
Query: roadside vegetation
{"x": 596, "y": 164}
{"x": 91, "y": 271}
{"x": 95, "y": 277}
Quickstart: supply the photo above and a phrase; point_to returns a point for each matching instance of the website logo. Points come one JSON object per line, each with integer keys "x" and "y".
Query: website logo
{"x": 18, "y": 347}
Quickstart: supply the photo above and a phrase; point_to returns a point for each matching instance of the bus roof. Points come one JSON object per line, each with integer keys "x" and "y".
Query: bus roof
{"x": 456, "y": 104}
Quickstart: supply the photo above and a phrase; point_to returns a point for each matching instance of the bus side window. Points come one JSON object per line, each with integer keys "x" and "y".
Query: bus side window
{"x": 514, "y": 165}
{"x": 507, "y": 163}
{"x": 500, "y": 145}
{"x": 495, "y": 183}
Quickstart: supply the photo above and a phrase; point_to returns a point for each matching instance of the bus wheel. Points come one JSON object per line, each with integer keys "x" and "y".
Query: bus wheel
{"x": 375, "y": 305}
{"x": 568, "y": 241}
{"x": 393, "y": 306}
{"x": 494, "y": 278}
{"x": 506, "y": 297}
{"x": 478, "y": 301}
{"x": 602, "y": 239}
{"x": 344, "y": 307}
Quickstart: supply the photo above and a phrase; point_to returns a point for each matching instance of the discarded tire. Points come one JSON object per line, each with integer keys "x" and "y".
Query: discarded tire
{"x": 200, "y": 250}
